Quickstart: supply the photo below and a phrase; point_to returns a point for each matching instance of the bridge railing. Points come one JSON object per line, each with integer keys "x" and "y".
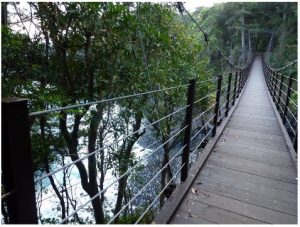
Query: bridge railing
{"x": 284, "y": 93}
{"x": 18, "y": 182}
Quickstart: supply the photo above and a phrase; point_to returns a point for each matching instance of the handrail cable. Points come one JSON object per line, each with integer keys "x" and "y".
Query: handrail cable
{"x": 288, "y": 65}
{"x": 204, "y": 81}
{"x": 200, "y": 115}
{"x": 146, "y": 185}
{"x": 101, "y": 101}
{"x": 202, "y": 141}
{"x": 295, "y": 104}
{"x": 199, "y": 100}
{"x": 143, "y": 159}
{"x": 162, "y": 191}
{"x": 7, "y": 194}
{"x": 290, "y": 125}
{"x": 102, "y": 148}
{"x": 292, "y": 114}
{"x": 200, "y": 130}
{"x": 144, "y": 148}
{"x": 98, "y": 194}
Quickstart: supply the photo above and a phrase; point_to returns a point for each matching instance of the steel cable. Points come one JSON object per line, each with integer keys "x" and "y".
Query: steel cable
{"x": 101, "y": 101}
{"x": 139, "y": 192}
{"x": 162, "y": 191}
{"x": 92, "y": 153}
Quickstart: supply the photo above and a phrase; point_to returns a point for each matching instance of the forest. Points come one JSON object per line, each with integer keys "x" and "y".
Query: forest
{"x": 61, "y": 54}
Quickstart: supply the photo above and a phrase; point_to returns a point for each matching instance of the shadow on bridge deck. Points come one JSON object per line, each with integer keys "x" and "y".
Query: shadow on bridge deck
{"x": 250, "y": 176}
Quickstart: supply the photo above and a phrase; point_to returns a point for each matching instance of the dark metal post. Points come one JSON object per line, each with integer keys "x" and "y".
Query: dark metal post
{"x": 17, "y": 165}
{"x": 187, "y": 134}
{"x": 234, "y": 89}
{"x": 279, "y": 92}
{"x": 272, "y": 83}
{"x": 275, "y": 86}
{"x": 242, "y": 80}
{"x": 288, "y": 94}
{"x": 239, "y": 84}
{"x": 295, "y": 143}
{"x": 218, "y": 94}
{"x": 228, "y": 94}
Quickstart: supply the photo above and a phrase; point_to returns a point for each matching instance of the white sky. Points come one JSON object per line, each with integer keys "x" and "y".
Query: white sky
{"x": 191, "y": 5}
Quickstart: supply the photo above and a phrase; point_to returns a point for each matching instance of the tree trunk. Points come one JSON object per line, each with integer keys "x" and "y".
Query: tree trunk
{"x": 124, "y": 163}
{"x": 88, "y": 182}
{"x": 60, "y": 197}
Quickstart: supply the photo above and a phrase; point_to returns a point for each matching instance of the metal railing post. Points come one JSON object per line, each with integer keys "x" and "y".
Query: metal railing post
{"x": 279, "y": 92}
{"x": 295, "y": 142}
{"x": 275, "y": 86}
{"x": 288, "y": 94}
{"x": 239, "y": 84}
{"x": 218, "y": 94}
{"x": 17, "y": 164}
{"x": 228, "y": 94}
{"x": 234, "y": 89}
{"x": 272, "y": 83}
{"x": 187, "y": 134}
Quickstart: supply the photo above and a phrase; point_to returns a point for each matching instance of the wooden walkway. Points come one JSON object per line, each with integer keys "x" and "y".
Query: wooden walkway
{"x": 249, "y": 177}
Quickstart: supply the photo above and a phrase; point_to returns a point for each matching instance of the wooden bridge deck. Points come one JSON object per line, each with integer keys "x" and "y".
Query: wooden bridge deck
{"x": 249, "y": 177}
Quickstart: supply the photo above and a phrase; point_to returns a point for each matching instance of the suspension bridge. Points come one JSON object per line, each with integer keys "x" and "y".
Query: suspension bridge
{"x": 248, "y": 173}
{"x": 242, "y": 169}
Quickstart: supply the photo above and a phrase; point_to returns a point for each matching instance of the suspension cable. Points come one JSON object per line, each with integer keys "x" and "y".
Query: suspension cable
{"x": 102, "y": 101}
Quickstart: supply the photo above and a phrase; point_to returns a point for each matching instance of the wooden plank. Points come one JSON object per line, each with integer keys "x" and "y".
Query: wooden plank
{"x": 250, "y": 142}
{"x": 255, "y": 106}
{"x": 254, "y": 155}
{"x": 182, "y": 218}
{"x": 257, "y": 135}
{"x": 280, "y": 153}
{"x": 255, "y": 121}
{"x": 251, "y": 193}
{"x": 250, "y": 178}
{"x": 254, "y": 117}
{"x": 257, "y": 111}
{"x": 243, "y": 208}
{"x": 242, "y": 182}
{"x": 195, "y": 209}
{"x": 261, "y": 169}
{"x": 249, "y": 126}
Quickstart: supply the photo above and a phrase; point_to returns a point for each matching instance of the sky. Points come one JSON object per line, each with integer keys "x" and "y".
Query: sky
{"x": 191, "y": 5}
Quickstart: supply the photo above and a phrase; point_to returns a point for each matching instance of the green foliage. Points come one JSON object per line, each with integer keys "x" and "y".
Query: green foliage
{"x": 223, "y": 23}
{"x": 91, "y": 51}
